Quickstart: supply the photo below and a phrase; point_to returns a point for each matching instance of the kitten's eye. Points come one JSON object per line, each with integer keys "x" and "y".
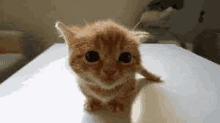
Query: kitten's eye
{"x": 92, "y": 56}
{"x": 124, "y": 57}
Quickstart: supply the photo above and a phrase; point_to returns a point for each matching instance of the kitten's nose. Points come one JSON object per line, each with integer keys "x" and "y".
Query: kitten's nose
{"x": 110, "y": 71}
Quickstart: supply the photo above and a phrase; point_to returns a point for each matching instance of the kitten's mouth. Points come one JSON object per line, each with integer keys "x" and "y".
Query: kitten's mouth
{"x": 109, "y": 79}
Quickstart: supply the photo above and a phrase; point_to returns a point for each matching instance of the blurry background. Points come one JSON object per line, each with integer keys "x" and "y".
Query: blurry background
{"x": 192, "y": 25}
{"x": 27, "y": 26}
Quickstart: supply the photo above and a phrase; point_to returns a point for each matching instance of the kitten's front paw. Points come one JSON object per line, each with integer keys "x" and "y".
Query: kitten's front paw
{"x": 115, "y": 106}
{"x": 92, "y": 105}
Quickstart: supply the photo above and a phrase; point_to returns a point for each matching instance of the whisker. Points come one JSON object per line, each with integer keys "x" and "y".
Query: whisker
{"x": 85, "y": 21}
{"x": 137, "y": 24}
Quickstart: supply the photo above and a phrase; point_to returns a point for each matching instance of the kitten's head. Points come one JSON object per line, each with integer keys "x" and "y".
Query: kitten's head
{"x": 103, "y": 53}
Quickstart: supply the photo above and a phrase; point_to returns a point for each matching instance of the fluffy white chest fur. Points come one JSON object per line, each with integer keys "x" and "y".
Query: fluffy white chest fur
{"x": 87, "y": 91}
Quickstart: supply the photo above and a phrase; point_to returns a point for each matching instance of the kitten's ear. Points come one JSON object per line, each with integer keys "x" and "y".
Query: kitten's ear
{"x": 140, "y": 35}
{"x": 64, "y": 31}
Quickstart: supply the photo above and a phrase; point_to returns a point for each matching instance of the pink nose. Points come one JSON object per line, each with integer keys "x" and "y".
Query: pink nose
{"x": 109, "y": 72}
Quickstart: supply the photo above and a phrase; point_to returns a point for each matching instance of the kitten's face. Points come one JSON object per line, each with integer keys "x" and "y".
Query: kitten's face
{"x": 105, "y": 53}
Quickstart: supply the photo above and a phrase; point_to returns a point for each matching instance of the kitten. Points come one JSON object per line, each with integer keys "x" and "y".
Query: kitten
{"x": 105, "y": 57}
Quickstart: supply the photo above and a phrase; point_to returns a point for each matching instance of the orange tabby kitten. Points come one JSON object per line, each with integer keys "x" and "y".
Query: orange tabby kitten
{"x": 105, "y": 58}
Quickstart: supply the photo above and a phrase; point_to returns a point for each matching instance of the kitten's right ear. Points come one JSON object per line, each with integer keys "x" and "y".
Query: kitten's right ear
{"x": 64, "y": 31}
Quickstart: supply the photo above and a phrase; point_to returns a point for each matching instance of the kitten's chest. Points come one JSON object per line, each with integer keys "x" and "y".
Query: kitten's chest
{"x": 105, "y": 95}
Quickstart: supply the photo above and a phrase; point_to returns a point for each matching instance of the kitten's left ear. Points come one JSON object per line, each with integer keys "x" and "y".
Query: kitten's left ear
{"x": 64, "y": 31}
{"x": 140, "y": 35}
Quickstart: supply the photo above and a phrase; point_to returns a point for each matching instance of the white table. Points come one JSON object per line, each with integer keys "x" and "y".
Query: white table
{"x": 45, "y": 90}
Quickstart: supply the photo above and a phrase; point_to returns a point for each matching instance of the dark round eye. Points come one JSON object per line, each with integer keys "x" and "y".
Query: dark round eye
{"x": 124, "y": 57}
{"x": 92, "y": 56}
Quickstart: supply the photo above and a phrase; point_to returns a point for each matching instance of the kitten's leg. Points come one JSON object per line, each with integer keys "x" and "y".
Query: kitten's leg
{"x": 115, "y": 106}
{"x": 120, "y": 103}
{"x": 149, "y": 75}
{"x": 92, "y": 104}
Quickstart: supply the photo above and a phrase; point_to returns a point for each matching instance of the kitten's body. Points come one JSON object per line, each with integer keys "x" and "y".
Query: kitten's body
{"x": 105, "y": 58}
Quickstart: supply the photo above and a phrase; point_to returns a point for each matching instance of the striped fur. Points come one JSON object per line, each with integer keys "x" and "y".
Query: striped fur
{"x": 109, "y": 40}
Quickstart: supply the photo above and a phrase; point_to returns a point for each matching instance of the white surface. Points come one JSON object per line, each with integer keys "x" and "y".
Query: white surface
{"x": 45, "y": 91}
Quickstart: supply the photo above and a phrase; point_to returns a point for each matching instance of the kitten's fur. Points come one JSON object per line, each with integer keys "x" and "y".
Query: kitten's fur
{"x": 105, "y": 82}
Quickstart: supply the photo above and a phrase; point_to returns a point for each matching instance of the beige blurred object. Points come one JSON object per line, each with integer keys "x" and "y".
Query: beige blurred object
{"x": 10, "y": 41}
{"x": 11, "y": 53}
{"x": 161, "y": 19}
{"x": 181, "y": 24}
{"x": 184, "y": 20}
{"x": 184, "y": 23}
{"x": 10, "y": 63}
{"x": 9, "y": 59}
